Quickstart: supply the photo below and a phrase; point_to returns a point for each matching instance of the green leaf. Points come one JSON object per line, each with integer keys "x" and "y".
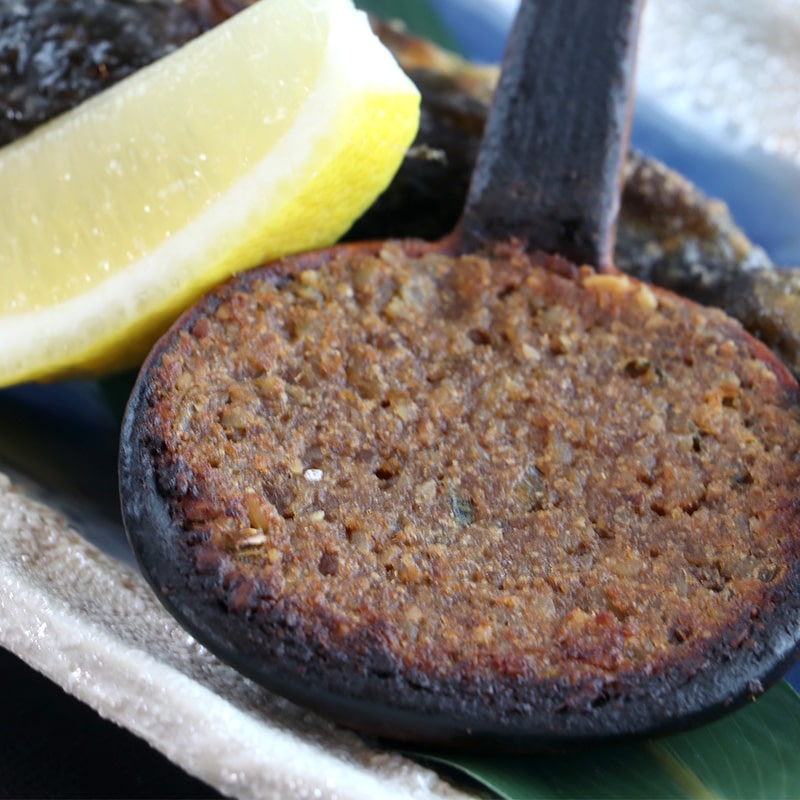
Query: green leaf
{"x": 419, "y": 17}
{"x": 752, "y": 753}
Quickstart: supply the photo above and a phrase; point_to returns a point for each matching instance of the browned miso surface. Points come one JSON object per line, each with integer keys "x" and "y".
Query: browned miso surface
{"x": 503, "y": 464}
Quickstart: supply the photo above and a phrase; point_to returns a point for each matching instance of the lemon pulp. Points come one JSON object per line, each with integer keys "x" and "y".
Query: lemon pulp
{"x": 265, "y": 136}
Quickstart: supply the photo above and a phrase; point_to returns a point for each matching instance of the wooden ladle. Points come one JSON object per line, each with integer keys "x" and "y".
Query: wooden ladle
{"x": 485, "y": 492}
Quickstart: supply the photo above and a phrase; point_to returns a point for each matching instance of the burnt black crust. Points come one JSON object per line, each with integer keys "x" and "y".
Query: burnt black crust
{"x": 362, "y": 684}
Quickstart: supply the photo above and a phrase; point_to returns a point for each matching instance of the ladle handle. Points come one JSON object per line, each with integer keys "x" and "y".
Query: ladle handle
{"x": 550, "y": 164}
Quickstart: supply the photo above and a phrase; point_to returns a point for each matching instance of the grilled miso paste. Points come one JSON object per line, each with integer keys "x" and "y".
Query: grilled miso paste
{"x": 480, "y": 464}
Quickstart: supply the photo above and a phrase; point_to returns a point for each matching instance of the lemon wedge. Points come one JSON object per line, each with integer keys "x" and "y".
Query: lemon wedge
{"x": 268, "y": 135}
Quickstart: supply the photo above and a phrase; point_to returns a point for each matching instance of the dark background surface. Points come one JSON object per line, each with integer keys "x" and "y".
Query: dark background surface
{"x": 54, "y": 746}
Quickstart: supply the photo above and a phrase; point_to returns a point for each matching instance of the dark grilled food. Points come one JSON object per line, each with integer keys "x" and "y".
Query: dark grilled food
{"x": 55, "y": 54}
{"x": 454, "y": 498}
{"x": 767, "y": 301}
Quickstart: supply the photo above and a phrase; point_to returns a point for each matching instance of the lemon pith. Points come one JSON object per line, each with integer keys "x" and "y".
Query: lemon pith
{"x": 119, "y": 214}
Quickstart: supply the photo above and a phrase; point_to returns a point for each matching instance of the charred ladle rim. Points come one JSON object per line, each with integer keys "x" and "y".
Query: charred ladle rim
{"x": 580, "y": 225}
{"x": 702, "y": 686}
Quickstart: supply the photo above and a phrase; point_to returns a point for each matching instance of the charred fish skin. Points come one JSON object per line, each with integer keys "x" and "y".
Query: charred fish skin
{"x": 677, "y": 237}
{"x": 767, "y": 302}
{"x": 54, "y": 54}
